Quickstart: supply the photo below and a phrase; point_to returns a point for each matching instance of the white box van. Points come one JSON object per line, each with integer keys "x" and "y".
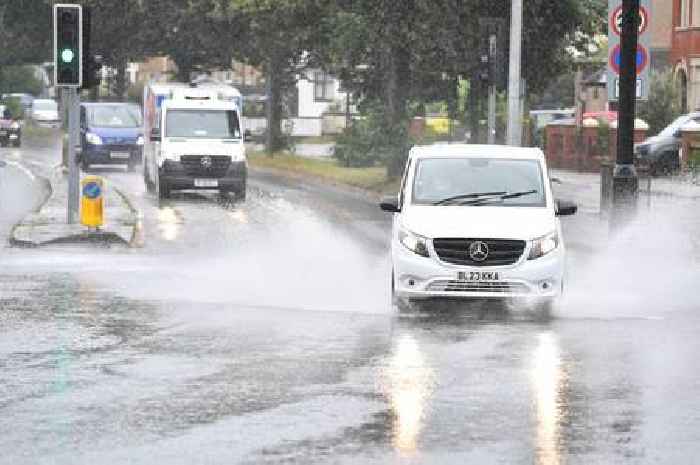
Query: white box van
{"x": 194, "y": 139}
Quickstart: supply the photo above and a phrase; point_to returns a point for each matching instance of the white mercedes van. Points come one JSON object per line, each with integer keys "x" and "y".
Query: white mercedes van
{"x": 476, "y": 221}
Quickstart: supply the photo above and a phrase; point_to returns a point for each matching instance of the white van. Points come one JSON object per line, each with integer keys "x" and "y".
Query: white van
{"x": 476, "y": 221}
{"x": 194, "y": 139}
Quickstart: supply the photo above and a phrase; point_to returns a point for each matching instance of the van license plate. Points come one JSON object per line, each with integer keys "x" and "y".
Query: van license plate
{"x": 119, "y": 155}
{"x": 206, "y": 183}
{"x": 478, "y": 276}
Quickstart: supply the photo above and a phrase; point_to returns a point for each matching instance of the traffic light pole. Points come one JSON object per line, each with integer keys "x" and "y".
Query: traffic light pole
{"x": 625, "y": 180}
{"x": 514, "y": 107}
{"x": 72, "y": 103}
{"x": 492, "y": 91}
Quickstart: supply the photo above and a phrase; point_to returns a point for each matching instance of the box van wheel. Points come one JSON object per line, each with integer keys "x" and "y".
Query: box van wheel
{"x": 163, "y": 190}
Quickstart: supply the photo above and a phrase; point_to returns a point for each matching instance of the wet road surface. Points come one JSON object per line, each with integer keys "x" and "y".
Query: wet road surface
{"x": 260, "y": 332}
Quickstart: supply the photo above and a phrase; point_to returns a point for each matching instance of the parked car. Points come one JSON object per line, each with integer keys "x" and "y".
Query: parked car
{"x": 45, "y": 113}
{"x": 476, "y": 221}
{"x": 110, "y": 133}
{"x": 10, "y": 128}
{"x": 661, "y": 152}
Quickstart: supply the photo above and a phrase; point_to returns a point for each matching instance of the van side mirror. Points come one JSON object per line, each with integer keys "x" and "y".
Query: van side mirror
{"x": 565, "y": 208}
{"x": 556, "y": 181}
{"x": 390, "y": 204}
{"x": 155, "y": 135}
{"x": 247, "y": 136}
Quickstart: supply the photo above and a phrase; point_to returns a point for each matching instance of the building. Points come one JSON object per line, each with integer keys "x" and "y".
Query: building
{"x": 660, "y": 29}
{"x": 319, "y": 93}
{"x": 685, "y": 51}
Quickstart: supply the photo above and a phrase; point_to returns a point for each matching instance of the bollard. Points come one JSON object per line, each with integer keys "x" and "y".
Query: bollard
{"x": 607, "y": 168}
{"x": 91, "y": 202}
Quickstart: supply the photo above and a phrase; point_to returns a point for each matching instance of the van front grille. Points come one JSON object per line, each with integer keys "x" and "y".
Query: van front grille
{"x": 501, "y": 252}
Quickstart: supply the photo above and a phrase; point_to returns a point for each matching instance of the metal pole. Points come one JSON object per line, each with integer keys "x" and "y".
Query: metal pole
{"x": 514, "y": 110}
{"x": 625, "y": 180}
{"x": 73, "y": 105}
{"x": 493, "y": 40}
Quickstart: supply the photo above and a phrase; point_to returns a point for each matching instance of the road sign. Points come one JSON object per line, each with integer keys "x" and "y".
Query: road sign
{"x": 616, "y": 20}
{"x": 642, "y": 59}
{"x": 92, "y": 202}
{"x": 614, "y": 48}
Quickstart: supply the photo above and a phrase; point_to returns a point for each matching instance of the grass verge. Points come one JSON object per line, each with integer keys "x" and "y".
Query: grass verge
{"x": 371, "y": 179}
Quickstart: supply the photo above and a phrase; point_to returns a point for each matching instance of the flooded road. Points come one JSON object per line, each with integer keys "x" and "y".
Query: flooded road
{"x": 262, "y": 333}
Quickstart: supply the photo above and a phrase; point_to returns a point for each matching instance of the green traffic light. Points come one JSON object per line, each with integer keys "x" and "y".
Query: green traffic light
{"x": 67, "y": 55}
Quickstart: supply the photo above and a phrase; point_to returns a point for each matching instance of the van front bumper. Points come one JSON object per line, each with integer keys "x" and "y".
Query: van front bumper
{"x": 418, "y": 277}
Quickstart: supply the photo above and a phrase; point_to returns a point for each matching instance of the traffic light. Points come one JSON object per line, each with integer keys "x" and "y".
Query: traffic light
{"x": 484, "y": 70}
{"x": 92, "y": 64}
{"x": 68, "y": 52}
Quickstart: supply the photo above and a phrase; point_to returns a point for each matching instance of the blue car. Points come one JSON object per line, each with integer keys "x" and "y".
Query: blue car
{"x": 110, "y": 134}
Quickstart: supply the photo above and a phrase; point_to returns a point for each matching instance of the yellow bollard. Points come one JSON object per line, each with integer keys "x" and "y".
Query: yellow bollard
{"x": 91, "y": 202}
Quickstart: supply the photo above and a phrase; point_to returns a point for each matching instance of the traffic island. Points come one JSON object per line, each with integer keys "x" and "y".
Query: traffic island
{"x": 48, "y": 225}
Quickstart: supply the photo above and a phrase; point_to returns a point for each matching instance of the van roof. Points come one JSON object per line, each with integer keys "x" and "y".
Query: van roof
{"x": 475, "y": 151}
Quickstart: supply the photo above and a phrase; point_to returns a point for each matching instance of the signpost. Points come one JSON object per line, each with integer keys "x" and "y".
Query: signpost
{"x": 629, "y": 59}
{"x": 615, "y": 19}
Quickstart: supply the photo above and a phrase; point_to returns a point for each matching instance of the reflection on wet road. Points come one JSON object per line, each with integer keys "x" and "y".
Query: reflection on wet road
{"x": 261, "y": 333}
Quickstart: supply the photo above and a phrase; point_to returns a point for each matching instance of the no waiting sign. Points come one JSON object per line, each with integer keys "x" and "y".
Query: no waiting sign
{"x": 643, "y": 57}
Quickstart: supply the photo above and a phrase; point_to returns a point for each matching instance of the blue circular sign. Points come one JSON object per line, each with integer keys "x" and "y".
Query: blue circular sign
{"x": 92, "y": 190}
{"x": 616, "y": 59}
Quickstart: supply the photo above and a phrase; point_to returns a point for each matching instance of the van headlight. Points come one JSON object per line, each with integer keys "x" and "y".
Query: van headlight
{"x": 544, "y": 245}
{"x": 413, "y": 242}
{"x": 93, "y": 139}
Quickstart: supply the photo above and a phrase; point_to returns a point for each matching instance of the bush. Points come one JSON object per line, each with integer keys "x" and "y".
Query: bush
{"x": 14, "y": 105}
{"x": 371, "y": 140}
{"x": 19, "y": 80}
{"x": 664, "y": 104}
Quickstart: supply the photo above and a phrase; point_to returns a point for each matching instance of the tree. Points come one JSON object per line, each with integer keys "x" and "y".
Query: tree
{"x": 25, "y": 32}
{"x": 19, "y": 79}
{"x": 664, "y": 104}
{"x": 277, "y": 35}
{"x": 420, "y": 49}
{"x": 195, "y": 34}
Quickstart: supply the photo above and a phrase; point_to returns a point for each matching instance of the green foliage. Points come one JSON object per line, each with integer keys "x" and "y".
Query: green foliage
{"x": 14, "y": 105}
{"x": 603, "y": 136}
{"x": 371, "y": 140}
{"x": 664, "y": 104}
{"x": 25, "y": 32}
{"x": 19, "y": 79}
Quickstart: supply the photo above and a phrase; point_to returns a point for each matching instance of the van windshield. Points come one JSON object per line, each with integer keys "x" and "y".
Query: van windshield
{"x": 202, "y": 124}
{"x": 114, "y": 116}
{"x": 437, "y": 179}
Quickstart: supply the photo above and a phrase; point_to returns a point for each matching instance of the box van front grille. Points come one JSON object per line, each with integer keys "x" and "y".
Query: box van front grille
{"x": 501, "y": 252}
{"x": 214, "y": 166}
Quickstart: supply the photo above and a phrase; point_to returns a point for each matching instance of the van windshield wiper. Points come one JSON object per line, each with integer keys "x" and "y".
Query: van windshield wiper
{"x": 499, "y": 197}
{"x": 475, "y": 195}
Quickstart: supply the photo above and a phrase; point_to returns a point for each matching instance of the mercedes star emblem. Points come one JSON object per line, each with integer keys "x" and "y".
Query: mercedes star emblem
{"x": 478, "y": 251}
{"x": 206, "y": 162}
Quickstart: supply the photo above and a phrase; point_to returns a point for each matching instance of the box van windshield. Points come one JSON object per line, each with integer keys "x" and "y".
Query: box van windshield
{"x": 202, "y": 124}
{"x": 114, "y": 116}
{"x": 45, "y": 105}
{"x": 437, "y": 179}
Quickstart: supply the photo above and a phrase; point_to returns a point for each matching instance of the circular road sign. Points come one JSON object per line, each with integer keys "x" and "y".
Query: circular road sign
{"x": 616, "y": 59}
{"x": 616, "y": 20}
{"x": 92, "y": 190}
